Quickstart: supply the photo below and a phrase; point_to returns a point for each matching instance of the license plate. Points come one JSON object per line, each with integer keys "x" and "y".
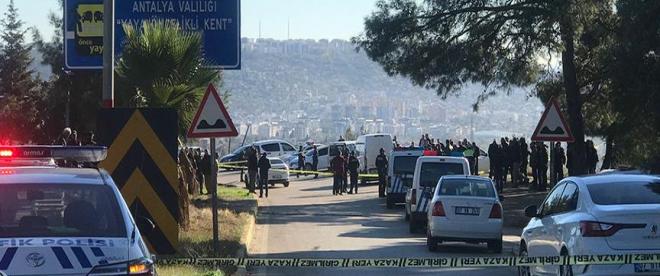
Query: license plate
{"x": 642, "y": 268}
{"x": 469, "y": 211}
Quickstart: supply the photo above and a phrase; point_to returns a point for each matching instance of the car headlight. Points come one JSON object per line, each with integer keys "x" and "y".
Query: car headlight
{"x": 139, "y": 267}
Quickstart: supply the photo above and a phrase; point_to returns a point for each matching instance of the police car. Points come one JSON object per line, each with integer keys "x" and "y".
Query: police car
{"x": 66, "y": 220}
{"x": 400, "y": 173}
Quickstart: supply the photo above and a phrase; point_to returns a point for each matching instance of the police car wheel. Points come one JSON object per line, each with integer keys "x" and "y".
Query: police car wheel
{"x": 431, "y": 242}
{"x": 286, "y": 184}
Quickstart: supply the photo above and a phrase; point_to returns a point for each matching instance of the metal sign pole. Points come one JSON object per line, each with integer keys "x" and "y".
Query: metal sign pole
{"x": 108, "y": 54}
{"x": 214, "y": 198}
{"x": 553, "y": 179}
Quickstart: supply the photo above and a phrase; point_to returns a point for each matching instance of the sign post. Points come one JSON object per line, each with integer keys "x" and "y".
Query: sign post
{"x": 212, "y": 121}
{"x": 552, "y": 127}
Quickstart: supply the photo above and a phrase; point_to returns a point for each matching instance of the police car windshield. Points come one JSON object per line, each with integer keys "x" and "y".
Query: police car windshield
{"x": 432, "y": 171}
{"x": 404, "y": 165}
{"x": 47, "y": 210}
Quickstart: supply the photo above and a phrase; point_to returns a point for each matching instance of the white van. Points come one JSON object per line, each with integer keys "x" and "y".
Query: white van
{"x": 367, "y": 147}
{"x": 400, "y": 173}
{"x": 428, "y": 171}
{"x": 275, "y": 148}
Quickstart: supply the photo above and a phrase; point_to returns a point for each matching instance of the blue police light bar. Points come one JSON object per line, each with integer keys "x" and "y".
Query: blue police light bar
{"x": 79, "y": 154}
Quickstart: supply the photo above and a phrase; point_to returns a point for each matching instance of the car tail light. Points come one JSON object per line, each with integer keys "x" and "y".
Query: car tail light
{"x": 602, "y": 229}
{"x": 413, "y": 200}
{"x": 496, "y": 211}
{"x": 438, "y": 210}
{"x": 6, "y": 153}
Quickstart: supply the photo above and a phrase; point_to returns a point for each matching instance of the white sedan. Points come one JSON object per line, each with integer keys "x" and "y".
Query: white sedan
{"x": 465, "y": 208}
{"x": 279, "y": 172}
{"x": 595, "y": 215}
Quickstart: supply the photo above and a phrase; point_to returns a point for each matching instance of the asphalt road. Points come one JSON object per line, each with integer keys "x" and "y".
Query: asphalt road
{"x": 306, "y": 221}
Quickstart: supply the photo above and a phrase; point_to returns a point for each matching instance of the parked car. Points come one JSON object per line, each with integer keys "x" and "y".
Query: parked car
{"x": 278, "y": 173}
{"x": 465, "y": 208}
{"x": 595, "y": 215}
{"x": 275, "y": 148}
{"x": 428, "y": 171}
{"x": 237, "y": 155}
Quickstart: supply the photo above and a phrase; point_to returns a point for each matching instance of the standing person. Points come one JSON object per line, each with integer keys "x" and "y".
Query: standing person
{"x": 253, "y": 168}
{"x": 423, "y": 142}
{"x": 197, "y": 155}
{"x": 381, "y": 166}
{"x": 63, "y": 138}
{"x": 301, "y": 163}
{"x": 569, "y": 159}
{"x": 533, "y": 163}
{"x": 506, "y": 160}
{"x": 205, "y": 167}
{"x": 524, "y": 160}
{"x": 514, "y": 151}
{"x": 73, "y": 139}
{"x": 560, "y": 160}
{"x": 345, "y": 180}
{"x": 475, "y": 154}
{"x": 315, "y": 161}
{"x": 493, "y": 159}
{"x": 353, "y": 166}
{"x": 543, "y": 166}
{"x": 592, "y": 157}
{"x": 337, "y": 165}
{"x": 264, "y": 166}
{"x": 89, "y": 139}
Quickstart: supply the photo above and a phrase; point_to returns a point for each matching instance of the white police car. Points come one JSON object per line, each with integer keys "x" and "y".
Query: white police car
{"x": 65, "y": 221}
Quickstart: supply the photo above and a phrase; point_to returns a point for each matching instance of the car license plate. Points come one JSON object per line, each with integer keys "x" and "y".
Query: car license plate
{"x": 643, "y": 268}
{"x": 469, "y": 211}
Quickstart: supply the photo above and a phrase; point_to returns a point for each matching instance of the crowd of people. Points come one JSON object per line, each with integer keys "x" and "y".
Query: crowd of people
{"x": 435, "y": 147}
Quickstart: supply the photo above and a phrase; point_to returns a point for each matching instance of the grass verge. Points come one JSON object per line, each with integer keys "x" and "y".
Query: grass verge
{"x": 197, "y": 240}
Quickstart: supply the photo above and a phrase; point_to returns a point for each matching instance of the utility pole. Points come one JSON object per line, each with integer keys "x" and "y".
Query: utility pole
{"x": 108, "y": 54}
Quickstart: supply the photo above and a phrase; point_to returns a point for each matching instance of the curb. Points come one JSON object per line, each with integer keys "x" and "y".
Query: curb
{"x": 246, "y": 239}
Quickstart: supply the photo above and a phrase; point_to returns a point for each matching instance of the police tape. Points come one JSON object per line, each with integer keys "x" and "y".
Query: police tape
{"x": 442, "y": 262}
{"x": 227, "y": 165}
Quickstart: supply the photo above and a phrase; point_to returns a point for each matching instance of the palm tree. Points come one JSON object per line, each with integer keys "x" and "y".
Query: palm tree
{"x": 163, "y": 66}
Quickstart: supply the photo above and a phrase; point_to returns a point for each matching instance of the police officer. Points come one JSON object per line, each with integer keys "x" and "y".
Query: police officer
{"x": 315, "y": 161}
{"x": 353, "y": 166}
{"x": 381, "y": 166}
{"x": 301, "y": 162}
{"x": 264, "y": 166}
{"x": 251, "y": 157}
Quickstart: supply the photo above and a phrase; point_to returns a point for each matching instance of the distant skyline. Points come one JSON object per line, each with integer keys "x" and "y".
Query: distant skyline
{"x": 306, "y": 19}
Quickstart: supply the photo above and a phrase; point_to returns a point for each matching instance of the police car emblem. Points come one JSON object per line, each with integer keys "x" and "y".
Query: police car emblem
{"x": 35, "y": 259}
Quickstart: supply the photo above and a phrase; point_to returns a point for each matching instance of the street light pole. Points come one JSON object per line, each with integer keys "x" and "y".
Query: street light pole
{"x": 108, "y": 54}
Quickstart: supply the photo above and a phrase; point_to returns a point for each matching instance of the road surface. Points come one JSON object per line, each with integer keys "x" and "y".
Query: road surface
{"x": 306, "y": 221}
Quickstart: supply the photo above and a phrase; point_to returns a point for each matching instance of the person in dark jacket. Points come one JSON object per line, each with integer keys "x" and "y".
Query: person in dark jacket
{"x": 381, "y": 166}
{"x": 264, "y": 166}
{"x": 592, "y": 157}
{"x": 315, "y": 161}
{"x": 543, "y": 166}
{"x": 560, "y": 160}
{"x": 514, "y": 156}
{"x": 345, "y": 180}
{"x": 253, "y": 169}
{"x": 493, "y": 160}
{"x": 301, "y": 163}
{"x": 337, "y": 165}
{"x": 533, "y": 163}
{"x": 524, "y": 161}
{"x": 353, "y": 166}
{"x": 475, "y": 155}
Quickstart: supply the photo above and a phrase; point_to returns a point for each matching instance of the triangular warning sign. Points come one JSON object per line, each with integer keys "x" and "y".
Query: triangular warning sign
{"x": 552, "y": 126}
{"x": 212, "y": 119}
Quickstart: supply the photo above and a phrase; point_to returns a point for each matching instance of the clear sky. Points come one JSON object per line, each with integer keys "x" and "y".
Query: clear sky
{"x": 315, "y": 19}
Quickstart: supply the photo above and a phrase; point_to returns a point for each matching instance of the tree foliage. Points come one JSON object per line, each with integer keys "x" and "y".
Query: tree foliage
{"x": 21, "y": 97}
{"x": 163, "y": 66}
{"x": 499, "y": 43}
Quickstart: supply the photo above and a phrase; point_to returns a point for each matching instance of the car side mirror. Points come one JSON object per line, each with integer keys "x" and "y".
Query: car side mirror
{"x": 145, "y": 225}
{"x": 531, "y": 211}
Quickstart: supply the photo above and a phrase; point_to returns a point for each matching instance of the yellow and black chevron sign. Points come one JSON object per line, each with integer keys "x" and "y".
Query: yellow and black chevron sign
{"x": 142, "y": 148}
